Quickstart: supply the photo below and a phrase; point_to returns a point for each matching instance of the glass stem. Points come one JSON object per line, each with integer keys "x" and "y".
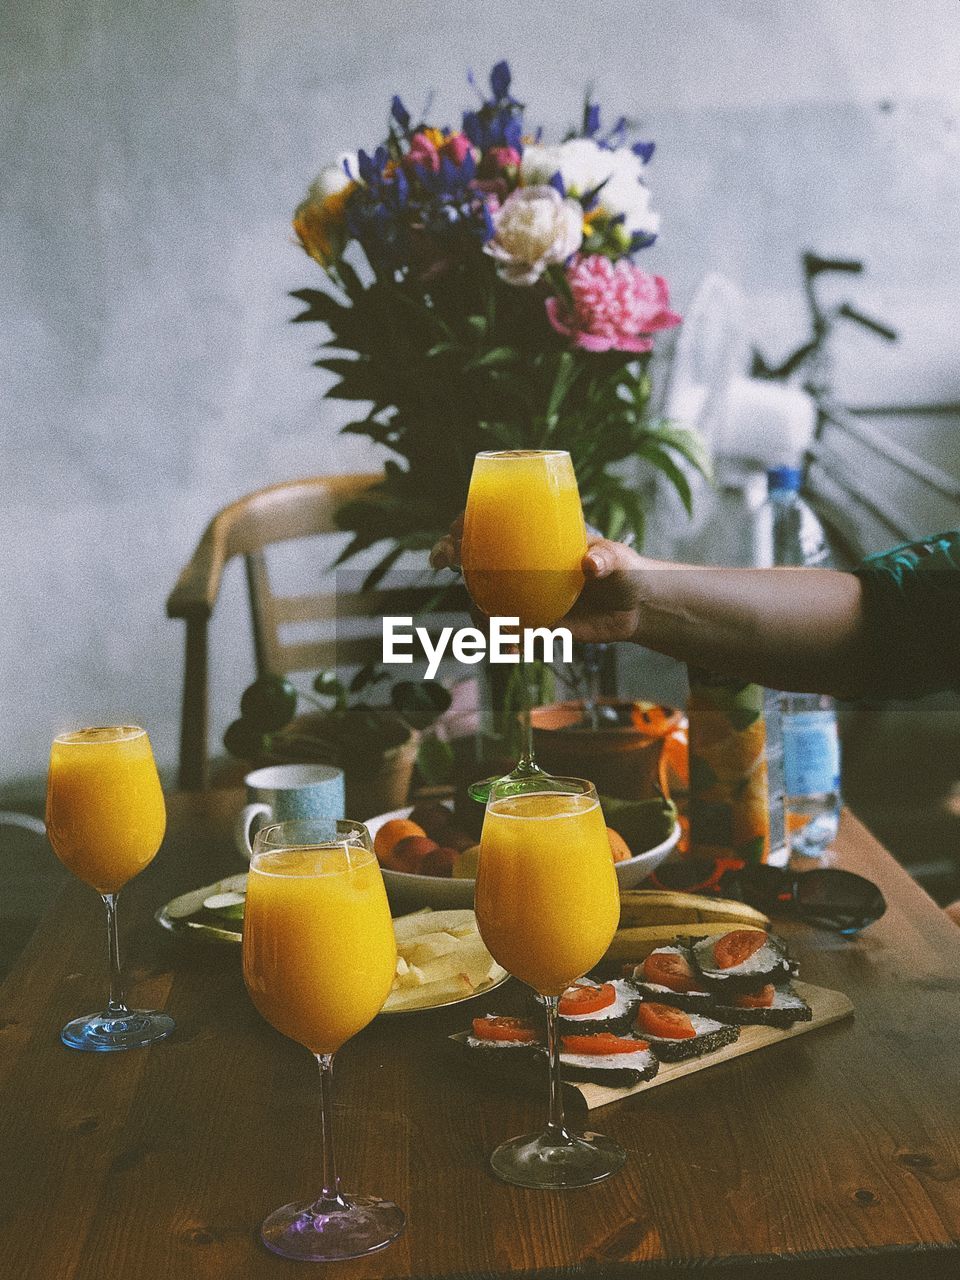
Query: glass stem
{"x": 556, "y": 1131}
{"x": 526, "y": 764}
{"x": 117, "y": 1008}
{"x": 591, "y": 662}
{"x": 330, "y": 1199}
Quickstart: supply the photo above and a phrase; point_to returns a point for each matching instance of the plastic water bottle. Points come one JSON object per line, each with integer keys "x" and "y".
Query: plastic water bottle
{"x": 787, "y": 532}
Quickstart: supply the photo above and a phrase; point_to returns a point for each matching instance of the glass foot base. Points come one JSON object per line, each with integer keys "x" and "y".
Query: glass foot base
{"x": 363, "y": 1225}
{"x": 103, "y": 1033}
{"x": 538, "y": 1160}
{"x": 480, "y": 790}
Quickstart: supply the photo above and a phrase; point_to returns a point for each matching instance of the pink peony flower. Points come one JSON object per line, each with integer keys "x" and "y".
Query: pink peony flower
{"x": 616, "y": 306}
{"x": 504, "y": 157}
{"x": 423, "y": 151}
{"x": 457, "y": 147}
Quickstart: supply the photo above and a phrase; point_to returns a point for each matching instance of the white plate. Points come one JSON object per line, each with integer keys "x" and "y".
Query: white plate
{"x": 408, "y": 891}
{"x": 172, "y": 916}
{"x": 426, "y": 1008}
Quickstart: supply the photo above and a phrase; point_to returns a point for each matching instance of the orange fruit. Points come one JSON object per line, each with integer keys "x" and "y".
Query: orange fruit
{"x": 392, "y": 833}
{"x": 408, "y": 854}
{"x": 618, "y": 846}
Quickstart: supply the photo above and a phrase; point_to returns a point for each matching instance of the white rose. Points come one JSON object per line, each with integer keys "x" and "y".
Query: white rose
{"x": 533, "y": 228}
{"x": 332, "y": 178}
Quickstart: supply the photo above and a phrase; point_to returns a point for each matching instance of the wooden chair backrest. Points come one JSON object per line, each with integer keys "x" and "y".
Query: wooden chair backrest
{"x": 247, "y": 527}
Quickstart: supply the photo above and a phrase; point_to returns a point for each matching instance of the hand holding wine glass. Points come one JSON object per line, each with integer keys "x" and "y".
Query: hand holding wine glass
{"x": 522, "y": 546}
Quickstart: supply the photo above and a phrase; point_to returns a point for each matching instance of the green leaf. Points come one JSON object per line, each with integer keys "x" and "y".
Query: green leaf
{"x": 435, "y": 760}
{"x": 690, "y": 444}
{"x": 563, "y": 380}
{"x": 321, "y": 307}
{"x": 348, "y": 279}
{"x": 420, "y": 702}
{"x": 328, "y": 685}
{"x": 660, "y": 459}
{"x": 478, "y": 324}
{"x": 369, "y": 674}
{"x": 495, "y": 356}
{"x": 269, "y": 703}
{"x": 558, "y": 278}
{"x": 382, "y": 568}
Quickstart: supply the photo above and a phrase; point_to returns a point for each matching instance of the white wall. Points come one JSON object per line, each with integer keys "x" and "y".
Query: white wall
{"x": 154, "y": 151}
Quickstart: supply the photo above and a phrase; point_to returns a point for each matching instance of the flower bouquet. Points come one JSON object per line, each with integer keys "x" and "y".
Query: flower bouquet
{"x": 482, "y": 292}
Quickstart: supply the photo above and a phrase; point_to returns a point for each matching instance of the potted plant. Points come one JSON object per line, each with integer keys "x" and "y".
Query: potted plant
{"x": 376, "y": 745}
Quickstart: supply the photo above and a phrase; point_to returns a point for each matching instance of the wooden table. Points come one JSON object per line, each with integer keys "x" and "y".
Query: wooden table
{"x": 161, "y": 1163}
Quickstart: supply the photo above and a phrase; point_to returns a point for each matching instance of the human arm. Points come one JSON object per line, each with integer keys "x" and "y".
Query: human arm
{"x": 798, "y": 629}
{"x": 890, "y": 629}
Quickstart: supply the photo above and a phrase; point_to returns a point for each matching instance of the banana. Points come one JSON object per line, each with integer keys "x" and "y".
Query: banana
{"x": 637, "y": 943}
{"x": 661, "y": 906}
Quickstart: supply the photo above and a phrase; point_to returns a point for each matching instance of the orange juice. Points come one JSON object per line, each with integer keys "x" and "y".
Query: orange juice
{"x": 547, "y": 900}
{"x": 105, "y": 810}
{"x": 319, "y": 953}
{"x": 524, "y": 536}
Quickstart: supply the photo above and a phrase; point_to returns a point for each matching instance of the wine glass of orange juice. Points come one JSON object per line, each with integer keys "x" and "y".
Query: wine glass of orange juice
{"x": 105, "y": 820}
{"x": 319, "y": 958}
{"x": 548, "y": 905}
{"x": 523, "y": 542}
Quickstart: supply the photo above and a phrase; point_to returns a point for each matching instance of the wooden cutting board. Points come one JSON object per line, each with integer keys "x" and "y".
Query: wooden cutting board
{"x": 828, "y": 1006}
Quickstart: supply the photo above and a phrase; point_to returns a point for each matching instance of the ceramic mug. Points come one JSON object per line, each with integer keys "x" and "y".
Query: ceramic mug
{"x": 283, "y": 791}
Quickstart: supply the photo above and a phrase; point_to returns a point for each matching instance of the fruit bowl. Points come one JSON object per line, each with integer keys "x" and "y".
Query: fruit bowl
{"x": 407, "y": 891}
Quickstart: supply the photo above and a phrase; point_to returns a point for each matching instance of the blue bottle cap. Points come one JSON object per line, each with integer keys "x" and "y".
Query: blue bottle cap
{"x": 780, "y": 478}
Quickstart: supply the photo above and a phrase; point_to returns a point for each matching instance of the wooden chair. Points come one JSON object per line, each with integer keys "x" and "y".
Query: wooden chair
{"x": 295, "y": 509}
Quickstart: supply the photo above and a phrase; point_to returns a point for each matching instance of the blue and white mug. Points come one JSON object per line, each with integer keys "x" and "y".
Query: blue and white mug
{"x": 283, "y": 791}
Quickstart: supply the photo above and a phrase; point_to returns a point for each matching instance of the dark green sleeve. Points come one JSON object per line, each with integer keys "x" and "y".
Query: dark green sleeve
{"x": 912, "y": 602}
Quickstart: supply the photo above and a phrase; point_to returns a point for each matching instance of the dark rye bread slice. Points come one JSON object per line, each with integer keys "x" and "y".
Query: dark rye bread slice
{"x": 615, "y": 1070}
{"x": 711, "y": 1034}
{"x": 788, "y": 1007}
{"x": 614, "y": 1020}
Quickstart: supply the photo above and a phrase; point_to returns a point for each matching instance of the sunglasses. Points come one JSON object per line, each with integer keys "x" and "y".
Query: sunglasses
{"x": 833, "y": 899}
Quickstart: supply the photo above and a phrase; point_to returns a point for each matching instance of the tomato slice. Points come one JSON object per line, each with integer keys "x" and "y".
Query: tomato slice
{"x": 602, "y": 1044}
{"x": 504, "y": 1028}
{"x": 582, "y": 997}
{"x": 669, "y": 969}
{"x": 733, "y": 948}
{"x": 762, "y": 999}
{"x": 660, "y": 1020}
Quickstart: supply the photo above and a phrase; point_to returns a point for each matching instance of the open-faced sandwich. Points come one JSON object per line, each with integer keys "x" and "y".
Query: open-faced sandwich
{"x": 514, "y": 1046}
{"x": 747, "y": 973}
{"x": 615, "y": 1061}
{"x": 668, "y": 975}
{"x": 767, "y": 1006}
{"x": 506, "y": 1040}
{"x": 675, "y": 1035}
{"x": 587, "y": 1008}
{"x": 740, "y": 962}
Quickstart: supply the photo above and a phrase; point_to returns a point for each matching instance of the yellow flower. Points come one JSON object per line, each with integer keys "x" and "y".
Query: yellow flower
{"x": 319, "y": 224}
